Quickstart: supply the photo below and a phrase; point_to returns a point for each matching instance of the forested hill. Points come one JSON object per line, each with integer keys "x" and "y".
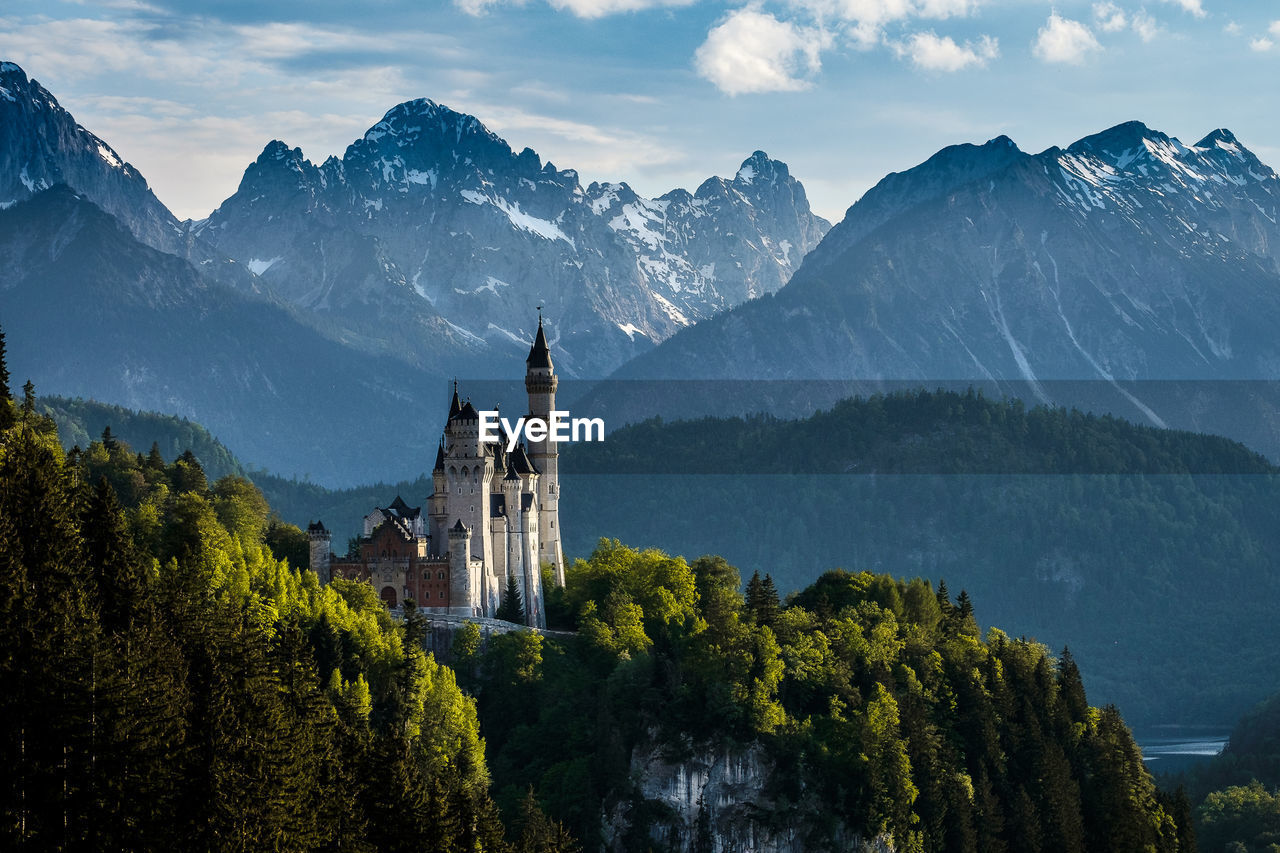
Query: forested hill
{"x": 168, "y": 681}
{"x": 1125, "y": 541}
{"x": 917, "y": 432}
{"x": 81, "y": 421}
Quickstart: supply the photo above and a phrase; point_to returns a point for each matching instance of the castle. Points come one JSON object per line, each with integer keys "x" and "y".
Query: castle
{"x": 493, "y": 516}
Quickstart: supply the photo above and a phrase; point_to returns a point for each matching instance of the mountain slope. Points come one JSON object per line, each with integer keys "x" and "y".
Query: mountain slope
{"x": 89, "y": 311}
{"x": 1127, "y": 256}
{"x": 42, "y": 145}
{"x": 430, "y": 227}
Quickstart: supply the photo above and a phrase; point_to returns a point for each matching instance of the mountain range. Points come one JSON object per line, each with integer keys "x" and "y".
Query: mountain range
{"x": 317, "y": 310}
{"x": 431, "y": 239}
{"x": 1091, "y": 275}
{"x": 1087, "y": 276}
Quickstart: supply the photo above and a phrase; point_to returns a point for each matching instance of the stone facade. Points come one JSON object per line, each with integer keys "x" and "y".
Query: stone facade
{"x": 493, "y": 515}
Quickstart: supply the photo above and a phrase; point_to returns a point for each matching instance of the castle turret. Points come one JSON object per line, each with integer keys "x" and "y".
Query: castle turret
{"x": 321, "y": 549}
{"x": 541, "y": 382}
{"x": 437, "y": 509}
{"x": 462, "y": 597}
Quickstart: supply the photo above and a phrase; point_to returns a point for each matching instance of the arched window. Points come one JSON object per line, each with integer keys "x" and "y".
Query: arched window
{"x": 389, "y": 596}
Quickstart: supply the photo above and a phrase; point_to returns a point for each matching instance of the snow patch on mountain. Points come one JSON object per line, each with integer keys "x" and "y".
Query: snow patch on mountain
{"x": 258, "y": 267}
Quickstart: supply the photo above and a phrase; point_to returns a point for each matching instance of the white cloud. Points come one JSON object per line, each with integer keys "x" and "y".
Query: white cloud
{"x": 1145, "y": 26}
{"x": 1192, "y": 6}
{"x": 1109, "y": 17}
{"x": 600, "y": 8}
{"x": 1064, "y": 40}
{"x": 1274, "y": 29}
{"x": 581, "y": 8}
{"x": 880, "y": 12}
{"x": 1232, "y": 28}
{"x": 752, "y": 51}
{"x": 1261, "y": 45}
{"x": 941, "y": 53}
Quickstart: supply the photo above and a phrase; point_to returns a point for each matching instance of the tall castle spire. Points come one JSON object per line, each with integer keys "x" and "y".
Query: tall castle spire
{"x": 540, "y": 381}
{"x": 539, "y": 353}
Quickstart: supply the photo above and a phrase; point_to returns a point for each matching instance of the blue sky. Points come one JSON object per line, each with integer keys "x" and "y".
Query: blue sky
{"x": 659, "y": 93}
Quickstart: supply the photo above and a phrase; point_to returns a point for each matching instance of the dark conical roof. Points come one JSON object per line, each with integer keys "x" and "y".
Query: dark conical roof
{"x": 520, "y": 462}
{"x": 455, "y": 407}
{"x": 468, "y": 412}
{"x": 457, "y": 525}
{"x": 439, "y": 459}
{"x": 539, "y": 354}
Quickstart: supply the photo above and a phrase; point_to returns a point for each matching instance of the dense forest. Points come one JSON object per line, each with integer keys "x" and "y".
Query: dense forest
{"x": 872, "y": 704}
{"x": 170, "y": 680}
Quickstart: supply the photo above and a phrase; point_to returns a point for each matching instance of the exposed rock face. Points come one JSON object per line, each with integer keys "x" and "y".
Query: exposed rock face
{"x": 42, "y": 145}
{"x": 1126, "y": 256}
{"x": 432, "y": 224}
{"x": 716, "y": 800}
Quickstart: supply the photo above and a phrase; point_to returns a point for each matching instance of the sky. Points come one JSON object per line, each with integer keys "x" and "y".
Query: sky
{"x": 657, "y": 93}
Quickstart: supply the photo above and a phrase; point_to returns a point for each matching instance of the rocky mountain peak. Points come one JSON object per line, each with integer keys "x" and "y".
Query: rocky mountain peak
{"x": 759, "y": 168}
{"x": 1113, "y": 142}
{"x": 1219, "y": 138}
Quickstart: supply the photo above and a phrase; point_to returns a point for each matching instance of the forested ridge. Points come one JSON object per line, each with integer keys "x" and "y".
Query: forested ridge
{"x": 1120, "y": 540}
{"x": 170, "y": 680}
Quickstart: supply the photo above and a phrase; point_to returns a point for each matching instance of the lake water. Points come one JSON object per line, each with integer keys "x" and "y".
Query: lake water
{"x": 1172, "y": 750}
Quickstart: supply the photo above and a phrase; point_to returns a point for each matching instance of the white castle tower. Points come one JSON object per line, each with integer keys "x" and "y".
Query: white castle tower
{"x": 540, "y": 381}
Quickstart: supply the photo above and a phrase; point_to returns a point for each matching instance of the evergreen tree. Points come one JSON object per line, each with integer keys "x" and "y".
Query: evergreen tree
{"x": 51, "y": 649}
{"x": 769, "y": 604}
{"x": 964, "y": 614}
{"x": 154, "y": 460}
{"x": 944, "y": 599}
{"x": 541, "y": 834}
{"x": 6, "y": 396}
{"x": 753, "y": 591}
{"x": 5, "y": 393}
{"x": 512, "y": 607}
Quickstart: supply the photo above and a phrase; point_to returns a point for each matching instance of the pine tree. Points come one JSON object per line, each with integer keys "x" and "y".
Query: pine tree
{"x": 143, "y": 698}
{"x": 964, "y": 614}
{"x": 541, "y": 834}
{"x": 512, "y": 607}
{"x": 6, "y": 396}
{"x": 50, "y": 650}
{"x": 944, "y": 599}
{"x": 767, "y": 613}
{"x": 755, "y": 596}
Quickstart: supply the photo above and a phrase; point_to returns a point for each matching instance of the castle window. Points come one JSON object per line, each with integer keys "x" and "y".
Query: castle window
{"x": 441, "y": 577}
{"x": 442, "y": 595}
